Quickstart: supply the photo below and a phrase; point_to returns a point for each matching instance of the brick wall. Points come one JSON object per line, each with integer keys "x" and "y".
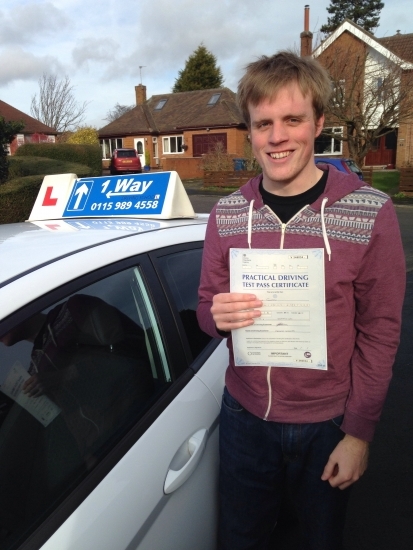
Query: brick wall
{"x": 187, "y": 168}
{"x": 404, "y": 154}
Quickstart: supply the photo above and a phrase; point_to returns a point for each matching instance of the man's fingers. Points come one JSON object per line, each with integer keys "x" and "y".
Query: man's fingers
{"x": 330, "y": 469}
{"x": 234, "y": 310}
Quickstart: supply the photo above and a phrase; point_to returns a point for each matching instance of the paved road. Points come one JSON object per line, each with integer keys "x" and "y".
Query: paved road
{"x": 380, "y": 514}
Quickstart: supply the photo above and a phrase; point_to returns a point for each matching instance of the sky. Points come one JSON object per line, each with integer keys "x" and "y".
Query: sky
{"x": 107, "y": 48}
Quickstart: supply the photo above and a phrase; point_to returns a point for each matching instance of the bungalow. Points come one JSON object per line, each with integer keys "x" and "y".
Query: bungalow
{"x": 34, "y": 131}
{"x": 177, "y": 128}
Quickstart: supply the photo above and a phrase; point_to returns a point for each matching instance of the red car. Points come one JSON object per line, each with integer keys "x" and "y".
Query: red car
{"x": 125, "y": 160}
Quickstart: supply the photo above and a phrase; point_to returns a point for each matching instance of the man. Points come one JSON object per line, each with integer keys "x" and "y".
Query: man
{"x": 307, "y": 429}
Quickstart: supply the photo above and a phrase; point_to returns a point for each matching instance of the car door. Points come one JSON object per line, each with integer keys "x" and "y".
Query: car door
{"x": 129, "y": 459}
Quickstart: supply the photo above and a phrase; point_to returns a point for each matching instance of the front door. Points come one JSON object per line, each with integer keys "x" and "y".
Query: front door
{"x": 383, "y": 152}
{"x": 140, "y": 148}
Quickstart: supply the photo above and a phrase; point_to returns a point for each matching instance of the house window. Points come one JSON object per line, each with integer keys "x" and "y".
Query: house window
{"x": 329, "y": 142}
{"x": 214, "y": 99}
{"x": 173, "y": 144}
{"x": 160, "y": 104}
{"x": 109, "y": 145}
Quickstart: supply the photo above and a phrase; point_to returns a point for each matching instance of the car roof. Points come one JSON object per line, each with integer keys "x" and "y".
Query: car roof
{"x": 27, "y": 246}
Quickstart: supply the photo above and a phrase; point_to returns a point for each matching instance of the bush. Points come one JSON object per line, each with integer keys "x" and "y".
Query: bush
{"x": 17, "y": 198}
{"x": 84, "y": 135}
{"x": 217, "y": 159}
{"x": 90, "y": 155}
{"x": 41, "y": 166}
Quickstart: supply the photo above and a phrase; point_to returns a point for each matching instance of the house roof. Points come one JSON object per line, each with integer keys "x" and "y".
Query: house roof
{"x": 388, "y": 47}
{"x": 180, "y": 111}
{"x": 399, "y": 44}
{"x": 31, "y": 125}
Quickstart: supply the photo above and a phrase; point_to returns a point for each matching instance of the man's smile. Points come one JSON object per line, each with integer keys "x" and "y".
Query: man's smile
{"x": 281, "y": 155}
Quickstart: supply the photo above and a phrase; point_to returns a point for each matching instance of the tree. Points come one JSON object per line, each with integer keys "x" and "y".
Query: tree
{"x": 200, "y": 72}
{"x": 56, "y": 105}
{"x": 370, "y": 98}
{"x": 8, "y": 131}
{"x": 118, "y": 111}
{"x": 365, "y": 13}
{"x": 84, "y": 135}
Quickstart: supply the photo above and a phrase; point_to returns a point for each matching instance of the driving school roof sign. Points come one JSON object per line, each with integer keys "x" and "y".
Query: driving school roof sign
{"x": 158, "y": 195}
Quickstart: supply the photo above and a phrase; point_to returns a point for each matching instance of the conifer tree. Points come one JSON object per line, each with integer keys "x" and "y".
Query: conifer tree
{"x": 365, "y": 13}
{"x": 200, "y": 72}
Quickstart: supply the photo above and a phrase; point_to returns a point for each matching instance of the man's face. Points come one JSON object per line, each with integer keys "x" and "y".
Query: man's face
{"x": 283, "y": 131}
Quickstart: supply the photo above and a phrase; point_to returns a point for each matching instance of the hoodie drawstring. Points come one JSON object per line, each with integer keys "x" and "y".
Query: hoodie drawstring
{"x": 323, "y": 226}
{"x": 328, "y": 251}
{"x": 250, "y": 223}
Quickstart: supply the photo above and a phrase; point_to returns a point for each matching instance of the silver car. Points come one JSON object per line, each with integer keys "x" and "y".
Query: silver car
{"x": 110, "y": 392}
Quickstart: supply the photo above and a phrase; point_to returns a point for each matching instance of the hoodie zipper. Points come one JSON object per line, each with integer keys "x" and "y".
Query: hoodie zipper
{"x": 283, "y": 228}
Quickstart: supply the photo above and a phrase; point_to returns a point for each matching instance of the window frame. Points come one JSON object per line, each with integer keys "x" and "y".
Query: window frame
{"x": 110, "y": 144}
{"x": 334, "y": 130}
{"x": 167, "y": 139}
{"x": 155, "y": 259}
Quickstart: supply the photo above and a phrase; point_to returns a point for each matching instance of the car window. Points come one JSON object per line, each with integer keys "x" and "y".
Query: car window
{"x": 94, "y": 363}
{"x": 126, "y": 154}
{"x": 353, "y": 166}
{"x": 182, "y": 271}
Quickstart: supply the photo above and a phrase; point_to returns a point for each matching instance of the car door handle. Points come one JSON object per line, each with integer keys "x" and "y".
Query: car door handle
{"x": 196, "y": 446}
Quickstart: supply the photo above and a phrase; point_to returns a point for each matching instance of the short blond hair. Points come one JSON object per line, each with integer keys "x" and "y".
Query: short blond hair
{"x": 265, "y": 78}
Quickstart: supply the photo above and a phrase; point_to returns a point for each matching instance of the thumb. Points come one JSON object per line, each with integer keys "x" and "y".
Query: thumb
{"x": 330, "y": 470}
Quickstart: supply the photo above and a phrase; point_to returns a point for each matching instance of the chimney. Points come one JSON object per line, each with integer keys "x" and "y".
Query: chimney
{"x": 140, "y": 92}
{"x": 306, "y": 36}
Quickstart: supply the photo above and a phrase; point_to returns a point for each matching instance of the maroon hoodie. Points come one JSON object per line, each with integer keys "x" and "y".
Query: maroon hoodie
{"x": 365, "y": 282}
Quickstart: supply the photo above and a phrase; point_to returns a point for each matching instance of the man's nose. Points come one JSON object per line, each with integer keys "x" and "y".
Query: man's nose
{"x": 278, "y": 133}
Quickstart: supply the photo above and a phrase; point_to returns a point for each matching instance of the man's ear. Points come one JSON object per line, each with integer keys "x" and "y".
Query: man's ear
{"x": 319, "y": 125}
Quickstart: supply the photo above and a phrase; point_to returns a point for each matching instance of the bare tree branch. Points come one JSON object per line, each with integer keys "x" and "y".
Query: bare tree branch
{"x": 56, "y": 105}
{"x": 118, "y": 111}
{"x": 371, "y": 96}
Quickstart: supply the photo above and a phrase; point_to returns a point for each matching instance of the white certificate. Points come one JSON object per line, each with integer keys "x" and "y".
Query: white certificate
{"x": 42, "y": 408}
{"x": 291, "y": 331}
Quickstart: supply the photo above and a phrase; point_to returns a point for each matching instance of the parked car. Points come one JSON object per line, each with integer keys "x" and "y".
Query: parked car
{"x": 117, "y": 446}
{"x": 344, "y": 165}
{"x": 125, "y": 160}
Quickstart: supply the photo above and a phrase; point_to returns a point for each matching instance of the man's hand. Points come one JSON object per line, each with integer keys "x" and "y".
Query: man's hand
{"x": 33, "y": 387}
{"x": 234, "y": 310}
{"x": 347, "y": 463}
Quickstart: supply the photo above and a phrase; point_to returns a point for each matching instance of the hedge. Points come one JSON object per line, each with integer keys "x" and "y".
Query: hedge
{"x": 34, "y": 166}
{"x": 90, "y": 155}
{"x": 17, "y": 198}
{"x": 17, "y": 195}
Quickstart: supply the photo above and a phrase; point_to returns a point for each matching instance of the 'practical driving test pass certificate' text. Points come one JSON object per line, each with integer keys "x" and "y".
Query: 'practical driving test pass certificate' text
{"x": 291, "y": 331}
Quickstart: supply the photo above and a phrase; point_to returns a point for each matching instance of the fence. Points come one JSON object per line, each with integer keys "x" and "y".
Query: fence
{"x": 406, "y": 181}
{"x": 368, "y": 175}
{"x": 227, "y": 178}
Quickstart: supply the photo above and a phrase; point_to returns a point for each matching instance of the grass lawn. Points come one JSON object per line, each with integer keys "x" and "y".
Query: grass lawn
{"x": 386, "y": 181}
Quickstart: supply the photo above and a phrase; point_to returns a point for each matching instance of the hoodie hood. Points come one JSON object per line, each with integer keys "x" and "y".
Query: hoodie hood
{"x": 343, "y": 185}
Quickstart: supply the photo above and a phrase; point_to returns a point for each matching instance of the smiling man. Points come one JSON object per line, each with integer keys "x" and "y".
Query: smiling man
{"x": 304, "y": 427}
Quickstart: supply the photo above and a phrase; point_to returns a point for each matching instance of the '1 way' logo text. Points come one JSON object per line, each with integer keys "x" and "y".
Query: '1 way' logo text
{"x": 126, "y": 187}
